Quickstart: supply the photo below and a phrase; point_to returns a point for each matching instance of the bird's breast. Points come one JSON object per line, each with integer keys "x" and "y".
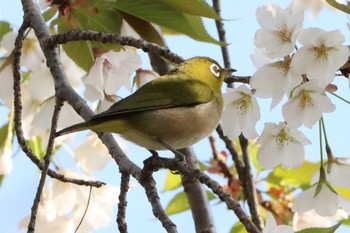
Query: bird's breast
{"x": 179, "y": 127}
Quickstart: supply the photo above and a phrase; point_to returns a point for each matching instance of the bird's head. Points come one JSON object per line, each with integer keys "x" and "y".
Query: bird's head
{"x": 206, "y": 70}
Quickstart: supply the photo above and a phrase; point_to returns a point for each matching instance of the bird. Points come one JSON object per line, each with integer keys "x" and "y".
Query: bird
{"x": 175, "y": 110}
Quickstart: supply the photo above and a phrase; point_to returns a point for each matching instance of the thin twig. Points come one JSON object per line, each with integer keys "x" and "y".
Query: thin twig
{"x": 85, "y": 211}
{"x": 124, "y": 188}
{"x": 237, "y": 79}
{"x": 234, "y": 153}
{"x": 222, "y": 34}
{"x": 222, "y": 165}
{"x": 64, "y": 38}
{"x": 249, "y": 187}
{"x": 47, "y": 161}
{"x": 245, "y": 175}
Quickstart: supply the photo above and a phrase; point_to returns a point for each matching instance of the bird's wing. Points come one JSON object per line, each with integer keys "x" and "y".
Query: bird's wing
{"x": 165, "y": 92}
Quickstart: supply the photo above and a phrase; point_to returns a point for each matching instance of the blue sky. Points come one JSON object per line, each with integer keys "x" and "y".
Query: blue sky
{"x": 18, "y": 189}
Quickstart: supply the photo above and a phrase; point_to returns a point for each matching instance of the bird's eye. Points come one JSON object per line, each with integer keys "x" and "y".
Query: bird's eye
{"x": 215, "y": 70}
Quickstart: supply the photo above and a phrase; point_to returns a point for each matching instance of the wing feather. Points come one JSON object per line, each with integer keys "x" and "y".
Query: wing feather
{"x": 164, "y": 92}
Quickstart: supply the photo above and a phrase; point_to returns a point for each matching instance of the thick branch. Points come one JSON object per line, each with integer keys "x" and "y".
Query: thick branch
{"x": 63, "y": 89}
{"x": 185, "y": 170}
{"x": 197, "y": 197}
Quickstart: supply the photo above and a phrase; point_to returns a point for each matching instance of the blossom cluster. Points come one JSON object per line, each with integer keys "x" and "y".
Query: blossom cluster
{"x": 300, "y": 78}
{"x": 63, "y": 204}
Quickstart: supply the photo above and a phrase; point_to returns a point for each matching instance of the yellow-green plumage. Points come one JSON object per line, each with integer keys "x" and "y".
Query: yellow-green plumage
{"x": 179, "y": 108}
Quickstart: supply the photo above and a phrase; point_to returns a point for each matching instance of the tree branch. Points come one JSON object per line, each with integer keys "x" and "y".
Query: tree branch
{"x": 197, "y": 197}
{"x": 249, "y": 188}
{"x": 47, "y": 161}
{"x": 147, "y": 181}
{"x": 244, "y": 171}
{"x": 113, "y": 38}
{"x": 63, "y": 89}
{"x": 156, "y": 162}
{"x": 222, "y": 34}
{"x": 124, "y": 187}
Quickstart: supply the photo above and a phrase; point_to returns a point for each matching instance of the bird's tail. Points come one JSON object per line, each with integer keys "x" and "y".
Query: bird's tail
{"x": 72, "y": 129}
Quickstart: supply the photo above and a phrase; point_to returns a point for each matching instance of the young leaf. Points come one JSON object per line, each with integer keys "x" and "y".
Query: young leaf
{"x": 93, "y": 18}
{"x": 165, "y": 15}
{"x": 238, "y": 228}
{"x": 50, "y": 13}
{"x": 320, "y": 230}
{"x": 193, "y": 7}
{"x": 172, "y": 181}
{"x": 4, "y": 28}
{"x": 180, "y": 203}
{"x": 299, "y": 177}
{"x": 143, "y": 28}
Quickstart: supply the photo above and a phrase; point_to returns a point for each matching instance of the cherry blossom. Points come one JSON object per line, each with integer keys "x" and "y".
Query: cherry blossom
{"x": 337, "y": 172}
{"x": 39, "y": 98}
{"x": 111, "y": 71}
{"x": 321, "y": 55}
{"x": 241, "y": 113}
{"x": 315, "y": 5}
{"x": 307, "y": 105}
{"x": 32, "y": 57}
{"x": 64, "y": 205}
{"x": 46, "y": 223}
{"x": 92, "y": 155}
{"x": 5, "y": 161}
{"x": 321, "y": 197}
{"x": 144, "y": 76}
{"x": 281, "y": 144}
{"x": 279, "y": 29}
{"x": 271, "y": 226}
{"x": 274, "y": 80}
{"x": 310, "y": 219}
{"x": 6, "y": 83}
{"x": 260, "y": 57}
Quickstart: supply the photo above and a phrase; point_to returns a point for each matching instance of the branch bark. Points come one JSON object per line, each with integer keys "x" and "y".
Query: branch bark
{"x": 197, "y": 197}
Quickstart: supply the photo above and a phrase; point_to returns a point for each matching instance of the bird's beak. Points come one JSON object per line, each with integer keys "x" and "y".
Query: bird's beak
{"x": 228, "y": 71}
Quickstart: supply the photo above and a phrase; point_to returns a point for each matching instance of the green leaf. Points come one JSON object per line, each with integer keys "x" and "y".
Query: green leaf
{"x": 172, "y": 181}
{"x": 253, "y": 149}
{"x": 49, "y": 13}
{"x": 346, "y": 222}
{"x": 321, "y": 230}
{"x": 238, "y": 228}
{"x": 299, "y": 177}
{"x": 143, "y": 28}
{"x": 202, "y": 166}
{"x": 1, "y": 179}
{"x": 36, "y": 147}
{"x": 4, "y": 28}
{"x": 92, "y": 18}
{"x": 180, "y": 203}
{"x": 3, "y": 134}
{"x": 166, "y": 15}
{"x": 193, "y": 7}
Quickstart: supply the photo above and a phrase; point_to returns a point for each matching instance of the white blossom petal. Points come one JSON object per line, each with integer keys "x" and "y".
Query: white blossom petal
{"x": 241, "y": 113}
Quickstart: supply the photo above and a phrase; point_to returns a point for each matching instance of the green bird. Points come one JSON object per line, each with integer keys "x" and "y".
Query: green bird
{"x": 177, "y": 109}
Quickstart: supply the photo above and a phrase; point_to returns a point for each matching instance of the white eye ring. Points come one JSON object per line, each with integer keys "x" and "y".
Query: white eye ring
{"x": 215, "y": 70}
